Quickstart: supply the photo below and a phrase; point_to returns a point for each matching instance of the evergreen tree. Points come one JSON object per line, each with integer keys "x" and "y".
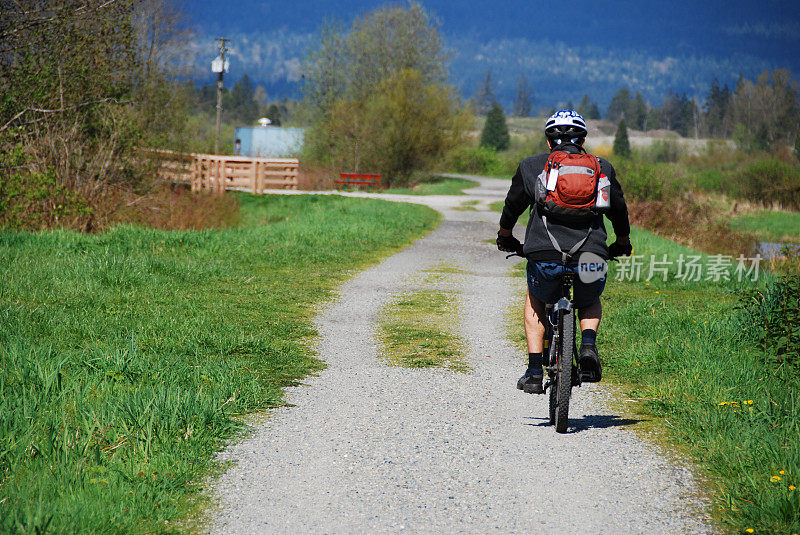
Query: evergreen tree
{"x": 619, "y": 105}
{"x": 637, "y": 112}
{"x": 716, "y": 106}
{"x": 484, "y": 98}
{"x": 588, "y": 109}
{"x": 240, "y": 102}
{"x": 523, "y": 103}
{"x": 622, "y": 146}
{"x": 495, "y": 131}
{"x": 655, "y": 119}
{"x": 679, "y": 113}
{"x": 594, "y": 111}
{"x": 274, "y": 115}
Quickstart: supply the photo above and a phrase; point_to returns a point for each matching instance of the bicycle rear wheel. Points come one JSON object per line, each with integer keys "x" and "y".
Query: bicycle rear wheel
{"x": 549, "y": 359}
{"x": 564, "y": 369}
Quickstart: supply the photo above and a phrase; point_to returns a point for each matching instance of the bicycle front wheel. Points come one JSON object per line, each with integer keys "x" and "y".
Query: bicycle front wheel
{"x": 563, "y": 384}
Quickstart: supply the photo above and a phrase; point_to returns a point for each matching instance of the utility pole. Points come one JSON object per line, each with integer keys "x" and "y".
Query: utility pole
{"x": 220, "y": 66}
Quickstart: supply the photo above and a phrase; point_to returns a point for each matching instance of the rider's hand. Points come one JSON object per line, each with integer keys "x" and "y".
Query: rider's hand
{"x": 621, "y": 247}
{"x": 508, "y": 244}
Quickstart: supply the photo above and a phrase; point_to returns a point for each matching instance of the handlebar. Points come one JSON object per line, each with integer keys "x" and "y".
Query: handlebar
{"x": 518, "y": 252}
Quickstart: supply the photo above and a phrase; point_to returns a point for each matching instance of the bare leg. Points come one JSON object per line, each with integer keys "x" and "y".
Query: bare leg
{"x": 534, "y": 326}
{"x": 590, "y": 316}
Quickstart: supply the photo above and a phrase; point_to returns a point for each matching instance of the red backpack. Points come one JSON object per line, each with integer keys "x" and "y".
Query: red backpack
{"x": 568, "y": 186}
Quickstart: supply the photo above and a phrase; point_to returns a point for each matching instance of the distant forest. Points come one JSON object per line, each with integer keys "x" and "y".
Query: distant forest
{"x": 757, "y": 112}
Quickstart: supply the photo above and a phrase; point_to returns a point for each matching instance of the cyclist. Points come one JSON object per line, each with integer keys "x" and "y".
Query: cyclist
{"x": 565, "y": 131}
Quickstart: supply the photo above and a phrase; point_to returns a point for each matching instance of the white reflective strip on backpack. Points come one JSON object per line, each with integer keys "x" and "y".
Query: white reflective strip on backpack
{"x": 552, "y": 178}
{"x": 575, "y": 170}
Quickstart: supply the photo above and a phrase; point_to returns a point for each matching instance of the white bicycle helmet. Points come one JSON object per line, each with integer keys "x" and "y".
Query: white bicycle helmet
{"x": 565, "y": 124}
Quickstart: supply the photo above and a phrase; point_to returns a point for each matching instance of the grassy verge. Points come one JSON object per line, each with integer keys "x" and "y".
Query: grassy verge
{"x": 126, "y": 357}
{"x": 691, "y": 357}
{"x": 436, "y": 185}
{"x": 416, "y": 328}
{"x": 774, "y": 226}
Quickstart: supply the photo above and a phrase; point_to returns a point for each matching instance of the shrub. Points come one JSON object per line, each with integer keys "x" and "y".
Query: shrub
{"x": 643, "y": 181}
{"x": 36, "y": 201}
{"x": 748, "y": 141}
{"x": 602, "y": 150}
{"x": 477, "y": 160}
{"x": 770, "y": 180}
{"x": 663, "y": 151}
{"x": 712, "y": 180}
{"x": 774, "y": 315}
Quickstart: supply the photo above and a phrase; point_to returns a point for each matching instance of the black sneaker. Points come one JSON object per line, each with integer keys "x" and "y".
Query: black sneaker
{"x": 531, "y": 382}
{"x": 589, "y": 363}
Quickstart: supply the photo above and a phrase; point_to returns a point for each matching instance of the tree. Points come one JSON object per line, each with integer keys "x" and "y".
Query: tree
{"x": 524, "y": 100}
{"x": 260, "y": 96}
{"x": 376, "y": 95}
{"x": 495, "y": 131}
{"x": 484, "y": 97}
{"x": 241, "y": 102}
{"x": 82, "y": 84}
{"x": 622, "y": 146}
{"x": 769, "y": 105}
{"x": 594, "y": 111}
{"x": 715, "y": 109}
{"x": 797, "y": 147}
{"x": 619, "y": 105}
{"x": 655, "y": 119}
{"x": 274, "y": 115}
{"x": 678, "y": 113}
{"x": 637, "y": 112}
{"x": 588, "y": 109}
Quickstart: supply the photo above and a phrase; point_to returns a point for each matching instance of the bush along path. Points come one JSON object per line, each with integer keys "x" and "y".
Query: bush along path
{"x": 368, "y": 446}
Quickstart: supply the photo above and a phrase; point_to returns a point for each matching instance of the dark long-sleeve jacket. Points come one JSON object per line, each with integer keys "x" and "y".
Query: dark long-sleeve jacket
{"x": 537, "y": 245}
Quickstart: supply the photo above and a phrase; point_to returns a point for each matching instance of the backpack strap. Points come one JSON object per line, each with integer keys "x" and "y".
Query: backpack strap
{"x": 565, "y": 255}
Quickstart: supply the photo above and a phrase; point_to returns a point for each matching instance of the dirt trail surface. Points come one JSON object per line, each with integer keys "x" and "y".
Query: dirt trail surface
{"x": 371, "y": 448}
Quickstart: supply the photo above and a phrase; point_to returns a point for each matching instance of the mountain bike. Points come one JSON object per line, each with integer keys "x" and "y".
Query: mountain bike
{"x": 560, "y": 353}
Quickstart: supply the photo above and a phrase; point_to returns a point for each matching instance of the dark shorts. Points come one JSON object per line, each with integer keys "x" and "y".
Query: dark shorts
{"x": 544, "y": 284}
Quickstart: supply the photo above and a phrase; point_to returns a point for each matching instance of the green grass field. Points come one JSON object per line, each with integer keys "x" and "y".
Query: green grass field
{"x": 126, "y": 358}
{"x": 436, "y": 185}
{"x": 774, "y": 226}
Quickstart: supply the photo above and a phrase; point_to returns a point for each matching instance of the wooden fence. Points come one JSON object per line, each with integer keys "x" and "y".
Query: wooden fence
{"x": 212, "y": 172}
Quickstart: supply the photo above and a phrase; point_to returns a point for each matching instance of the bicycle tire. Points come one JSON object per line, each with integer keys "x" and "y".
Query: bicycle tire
{"x": 551, "y": 377}
{"x": 564, "y": 369}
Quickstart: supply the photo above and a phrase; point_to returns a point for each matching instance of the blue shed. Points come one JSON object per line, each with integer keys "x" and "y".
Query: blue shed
{"x": 268, "y": 141}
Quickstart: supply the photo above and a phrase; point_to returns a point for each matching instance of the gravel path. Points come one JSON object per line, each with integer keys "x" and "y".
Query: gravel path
{"x": 369, "y": 448}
